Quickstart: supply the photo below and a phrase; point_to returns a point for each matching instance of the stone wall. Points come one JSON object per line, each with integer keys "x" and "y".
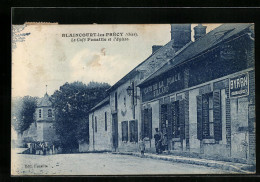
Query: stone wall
{"x": 101, "y": 139}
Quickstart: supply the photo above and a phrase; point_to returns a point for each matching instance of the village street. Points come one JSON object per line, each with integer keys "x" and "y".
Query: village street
{"x": 100, "y": 164}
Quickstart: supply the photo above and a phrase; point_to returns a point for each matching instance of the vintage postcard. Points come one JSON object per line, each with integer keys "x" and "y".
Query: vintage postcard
{"x": 133, "y": 99}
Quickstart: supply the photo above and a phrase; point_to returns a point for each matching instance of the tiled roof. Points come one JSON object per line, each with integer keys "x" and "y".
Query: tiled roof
{"x": 100, "y": 104}
{"x": 134, "y": 71}
{"x": 203, "y": 44}
{"x": 44, "y": 101}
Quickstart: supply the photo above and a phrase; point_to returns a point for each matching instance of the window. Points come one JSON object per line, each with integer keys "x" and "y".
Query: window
{"x": 124, "y": 131}
{"x": 172, "y": 119}
{"x": 147, "y": 123}
{"x": 49, "y": 113}
{"x": 40, "y": 113}
{"x": 133, "y": 126}
{"x": 176, "y": 127}
{"x": 209, "y": 124}
{"x": 95, "y": 124}
{"x": 105, "y": 121}
{"x": 93, "y": 121}
{"x": 116, "y": 101}
{"x": 135, "y": 93}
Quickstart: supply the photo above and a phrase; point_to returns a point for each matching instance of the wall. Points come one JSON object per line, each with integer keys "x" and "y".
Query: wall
{"x": 83, "y": 147}
{"x": 46, "y": 132}
{"x": 127, "y": 112}
{"x": 238, "y": 120}
{"x": 150, "y": 145}
{"x": 102, "y": 138}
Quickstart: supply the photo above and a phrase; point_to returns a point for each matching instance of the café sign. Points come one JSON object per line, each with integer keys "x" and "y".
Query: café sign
{"x": 239, "y": 85}
{"x": 162, "y": 87}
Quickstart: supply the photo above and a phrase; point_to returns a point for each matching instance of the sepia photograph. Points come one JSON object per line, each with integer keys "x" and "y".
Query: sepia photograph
{"x": 133, "y": 99}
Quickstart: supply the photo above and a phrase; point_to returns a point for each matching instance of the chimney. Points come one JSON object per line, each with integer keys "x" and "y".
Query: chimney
{"x": 199, "y": 31}
{"x": 181, "y": 34}
{"x": 155, "y": 48}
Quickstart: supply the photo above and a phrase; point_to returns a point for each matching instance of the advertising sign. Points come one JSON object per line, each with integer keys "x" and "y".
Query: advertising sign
{"x": 239, "y": 85}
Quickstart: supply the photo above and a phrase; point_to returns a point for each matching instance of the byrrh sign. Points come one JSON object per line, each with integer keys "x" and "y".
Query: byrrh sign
{"x": 239, "y": 85}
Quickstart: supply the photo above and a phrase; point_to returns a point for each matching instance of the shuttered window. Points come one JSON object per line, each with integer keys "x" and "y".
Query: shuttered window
{"x": 135, "y": 92}
{"x": 217, "y": 115}
{"x": 147, "y": 123}
{"x": 95, "y": 124}
{"x": 124, "y": 125}
{"x": 133, "y": 127}
{"x": 105, "y": 121}
{"x": 175, "y": 120}
{"x": 182, "y": 118}
{"x": 209, "y": 124}
{"x": 49, "y": 113}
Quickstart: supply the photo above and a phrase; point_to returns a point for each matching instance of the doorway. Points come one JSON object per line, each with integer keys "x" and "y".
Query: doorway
{"x": 115, "y": 131}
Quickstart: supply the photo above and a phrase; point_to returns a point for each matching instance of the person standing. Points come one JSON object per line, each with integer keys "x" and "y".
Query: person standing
{"x": 142, "y": 147}
{"x": 157, "y": 138}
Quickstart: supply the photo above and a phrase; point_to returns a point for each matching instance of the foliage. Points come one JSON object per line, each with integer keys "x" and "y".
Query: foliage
{"x": 72, "y": 103}
{"x": 23, "y": 113}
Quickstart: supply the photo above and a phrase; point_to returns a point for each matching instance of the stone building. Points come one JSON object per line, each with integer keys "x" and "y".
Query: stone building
{"x": 100, "y": 127}
{"x": 124, "y": 96}
{"x": 200, "y": 94}
{"x": 42, "y": 130}
{"x": 44, "y": 117}
{"x": 203, "y": 100}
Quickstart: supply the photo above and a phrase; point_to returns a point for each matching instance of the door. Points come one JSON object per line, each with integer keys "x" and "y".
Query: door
{"x": 115, "y": 131}
{"x": 164, "y": 126}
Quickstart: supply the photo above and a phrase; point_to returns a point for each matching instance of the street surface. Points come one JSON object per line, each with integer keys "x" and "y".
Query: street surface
{"x": 99, "y": 164}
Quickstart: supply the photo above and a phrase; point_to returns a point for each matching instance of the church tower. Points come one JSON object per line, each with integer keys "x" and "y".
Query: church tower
{"x": 44, "y": 118}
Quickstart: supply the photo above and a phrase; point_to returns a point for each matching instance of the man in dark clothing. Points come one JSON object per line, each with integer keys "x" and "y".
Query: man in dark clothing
{"x": 157, "y": 138}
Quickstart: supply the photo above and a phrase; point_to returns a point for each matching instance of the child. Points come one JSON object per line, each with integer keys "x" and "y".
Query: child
{"x": 142, "y": 147}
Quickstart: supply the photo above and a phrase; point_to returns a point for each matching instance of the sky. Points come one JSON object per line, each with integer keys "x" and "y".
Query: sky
{"x": 45, "y": 57}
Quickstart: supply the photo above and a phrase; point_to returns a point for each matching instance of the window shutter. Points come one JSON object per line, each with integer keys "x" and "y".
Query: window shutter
{"x": 135, "y": 93}
{"x": 174, "y": 119}
{"x": 182, "y": 119}
{"x": 122, "y": 126}
{"x": 217, "y": 115}
{"x": 142, "y": 124}
{"x": 199, "y": 117}
{"x": 205, "y": 116}
{"x": 136, "y": 131}
{"x": 170, "y": 119}
{"x": 150, "y": 123}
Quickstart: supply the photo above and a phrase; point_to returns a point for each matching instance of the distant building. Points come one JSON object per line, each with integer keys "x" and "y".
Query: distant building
{"x": 44, "y": 117}
{"x": 201, "y": 96}
{"x": 100, "y": 127}
{"x": 42, "y": 130}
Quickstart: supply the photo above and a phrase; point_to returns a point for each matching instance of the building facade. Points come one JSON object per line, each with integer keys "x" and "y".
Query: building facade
{"x": 203, "y": 102}
{"x": 42, "y": 130}
{"x": 100, "y": 127}
{"x": 124, "y": 96}
{"x": 200, "y": 95}
{"x": 44, "y": 116}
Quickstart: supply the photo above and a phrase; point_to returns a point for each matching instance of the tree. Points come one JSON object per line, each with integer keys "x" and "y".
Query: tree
{"x": 72, "y": 103}
{"x": 23, "y": 113}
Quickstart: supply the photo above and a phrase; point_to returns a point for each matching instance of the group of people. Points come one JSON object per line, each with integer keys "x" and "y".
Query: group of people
{"x": 161, "y": 143}
{"x": 41, "y": 148}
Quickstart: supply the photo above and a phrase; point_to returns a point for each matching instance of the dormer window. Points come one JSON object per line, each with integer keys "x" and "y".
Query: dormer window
{"x": 49, "y": 113}
{"x": 40, "y": 113}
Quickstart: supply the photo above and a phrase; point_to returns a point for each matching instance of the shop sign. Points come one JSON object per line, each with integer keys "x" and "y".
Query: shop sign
{"x": 239, "y": 85}
{"x": 162, "y": 87}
